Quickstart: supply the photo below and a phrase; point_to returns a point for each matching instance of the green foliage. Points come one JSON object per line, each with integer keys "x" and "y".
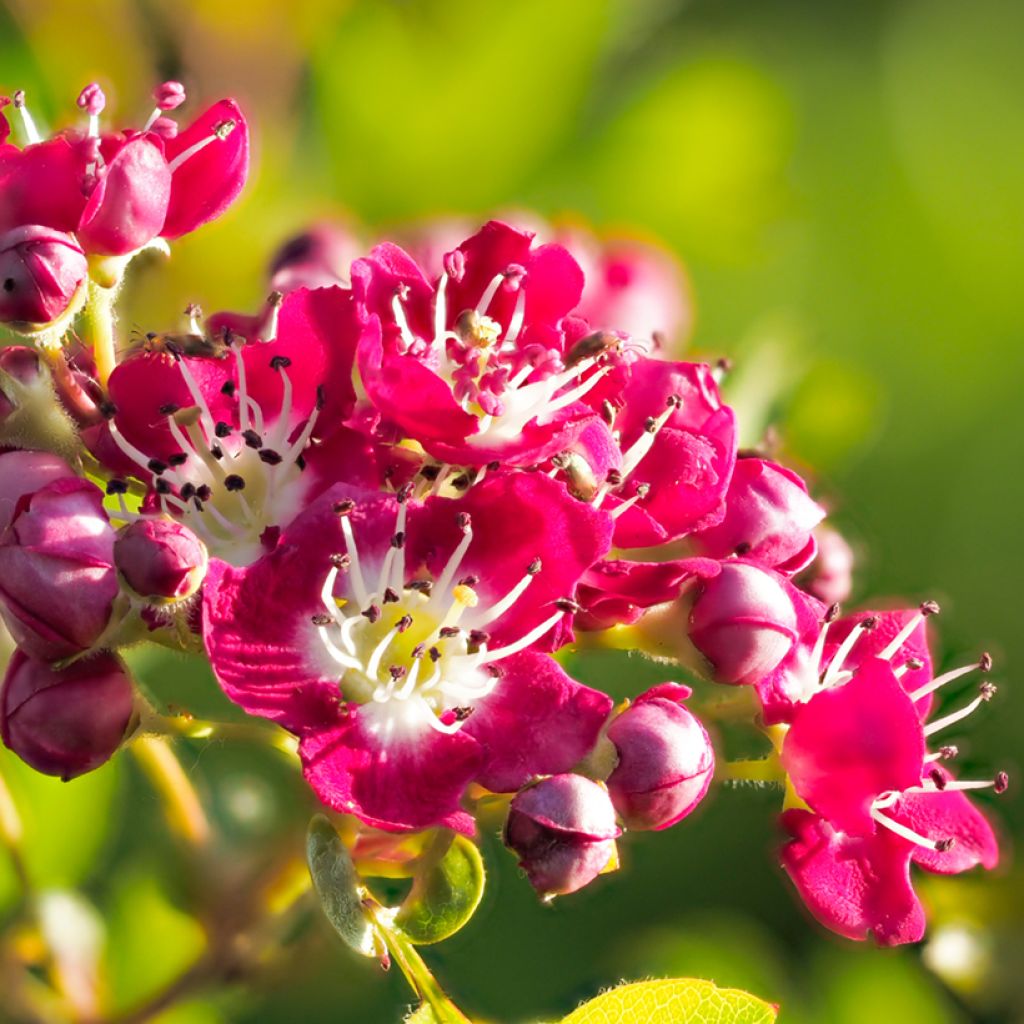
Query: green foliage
{"x": 66, "y": 824}
{"x": 445, "y": 894}
{"x": 678, "y": 1001}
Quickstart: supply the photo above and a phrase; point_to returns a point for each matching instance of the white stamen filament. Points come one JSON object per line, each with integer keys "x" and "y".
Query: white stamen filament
{"x": 836, "y": 664}
{"x": 335, "y": 652}
{"x": 279, "y": 437}
{"x": 901, "y": 637}
{"x": 192, "y": 150}
{"x": 499, "y": 609}
{"x": 955, "y": 716}
{"x": 373, "y": 665}
{"x": 28, "y": 124}
{"x": 444, "y": 581}
{"x": 327, "y": 596}
{"x": 489, "y": 292}
{"x": 938, "y": 681}
{"x": 408, "y": 338}
{"x": 355, "y": 570}
{"x": 485, "y": 657}
{"x": 901, "y": 830}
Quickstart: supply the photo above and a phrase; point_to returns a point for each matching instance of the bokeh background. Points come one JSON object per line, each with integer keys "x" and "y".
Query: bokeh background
{"x": 843, "y": 183}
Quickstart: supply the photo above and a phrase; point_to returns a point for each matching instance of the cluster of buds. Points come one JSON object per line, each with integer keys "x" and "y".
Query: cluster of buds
{"x": 385, "y": 501}
{"x": 78, "y": 205}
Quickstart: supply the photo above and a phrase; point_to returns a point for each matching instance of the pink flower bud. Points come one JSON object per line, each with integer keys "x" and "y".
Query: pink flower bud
{"x": 317, "y": 258}
{"x": 665, "y": 760}
{"x": 563, "y": 829}
{"x": 22, "y": 473}
{"x": 40, "y": 272}
{"x": 65, "y": 722}
{"x": 160, "y": 559}
{"x": 830, "y": 576}
{"x": 769, "y": 517}
{"x": 57, "y": 578}
{"x": 744, "y": 622}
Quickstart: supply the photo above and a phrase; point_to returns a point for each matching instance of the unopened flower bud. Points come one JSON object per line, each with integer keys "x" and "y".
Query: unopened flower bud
{"x": 317, "y": 258}
{"x": 41, "y": 271}
{"x": 665, "y": 760}
{"x": 22, "y": 473}
{"x": 161, "y": 560}
{"x": 65, "y": 722}
{"x": 769, "y": 517}
{"x": 830, "y": 576}
{"x": 563, "y": 829}
{"x": 57, "y": 578}
{"x": 743, "y": 621}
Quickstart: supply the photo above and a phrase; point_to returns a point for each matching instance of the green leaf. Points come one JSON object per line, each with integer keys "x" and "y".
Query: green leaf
{"x": 338, "y": 885}
{"x": 445, "y": 894}
{"x": 675, "y": 1001}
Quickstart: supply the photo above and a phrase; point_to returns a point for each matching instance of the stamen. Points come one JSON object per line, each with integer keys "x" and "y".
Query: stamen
{"x": 948, "y": 677}
{"x": 643, "y": 444}
{"x": 942, "y": 845}
{"x": 408, "y": 338}
{"x": 942, "y": 785}
{"x": 641, "y": 492}
{"x": 985, "y": 693}
{"x": 373, "y": 663}
{"x": 485, "y": 657}
{"x": 836, "y": 665}
{"x": 943, "y": 754}
{"x": 220, "y": 132}
{"x": 92, "y": 101}
{"x": 195, "y": 314}
{"x": 928, "y": 608}
{"x": 489, "y": 292}
{"x": 356, "y": 571}
{"x": 28, "y": 125}
{"x": 444, "y": 581}
{"x": 168, "y": 96}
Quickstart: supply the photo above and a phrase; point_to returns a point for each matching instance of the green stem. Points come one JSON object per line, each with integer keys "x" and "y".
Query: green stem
{"x": 184, "y": 810}
{"x": 98, "y": 321}
{"x": 763, "y": 769}
{"x": 420, "y": 979}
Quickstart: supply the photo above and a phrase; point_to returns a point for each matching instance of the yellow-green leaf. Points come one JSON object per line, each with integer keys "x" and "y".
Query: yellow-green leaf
{"x": 445, "y": 894}
{"x": 674, "y": 1001}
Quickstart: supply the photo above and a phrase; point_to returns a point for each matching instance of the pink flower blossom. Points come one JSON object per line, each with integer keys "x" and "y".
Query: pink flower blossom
{"x": 400, "y": 640}
{"x": 236, "y": 440}
{"x": 856, "y": 754}
{"x": 476, "y": 367}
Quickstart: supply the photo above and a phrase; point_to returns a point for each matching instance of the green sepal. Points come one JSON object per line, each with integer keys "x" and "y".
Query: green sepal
{"x": 447, "y": 889}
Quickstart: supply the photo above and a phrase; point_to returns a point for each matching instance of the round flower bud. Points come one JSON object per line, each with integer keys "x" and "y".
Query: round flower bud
{"x": 665, "y": 760}
{"x": 769, "y": 517}
{"x": 57, "y": 578}
{"x": 743, "y": 621}
{"x": 65, "y": 722}
{"x": 317, "y": 258}
{"x": 22, "y": 473}
{"x": 563, "y": 829}
{"x": 41, "y": 271}
{"x": 160, "y": 559}
{"x": 830, "y": 576}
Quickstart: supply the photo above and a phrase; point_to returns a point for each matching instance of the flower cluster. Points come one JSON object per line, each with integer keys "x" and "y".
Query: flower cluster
{"x": 384, "y": 503}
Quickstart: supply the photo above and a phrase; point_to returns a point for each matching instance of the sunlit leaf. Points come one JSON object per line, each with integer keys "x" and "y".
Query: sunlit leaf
{"x": 676, "y": 1001}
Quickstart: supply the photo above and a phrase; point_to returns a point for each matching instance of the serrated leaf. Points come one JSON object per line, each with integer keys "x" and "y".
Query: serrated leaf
{"x": 674, "y": 1001}
{"x": 445, "y": 895}
{"x": 338, "y": 885}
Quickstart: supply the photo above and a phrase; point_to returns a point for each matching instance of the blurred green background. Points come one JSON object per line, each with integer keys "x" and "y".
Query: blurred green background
{"x": 843, "y": 183}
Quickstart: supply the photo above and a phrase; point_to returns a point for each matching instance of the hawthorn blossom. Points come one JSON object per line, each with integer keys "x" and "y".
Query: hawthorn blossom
{"x": 235, "y": 438}
{"x": 401, "y": 641}
{"x": 856, "y": 754}
{"x": 475, "y": 366}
